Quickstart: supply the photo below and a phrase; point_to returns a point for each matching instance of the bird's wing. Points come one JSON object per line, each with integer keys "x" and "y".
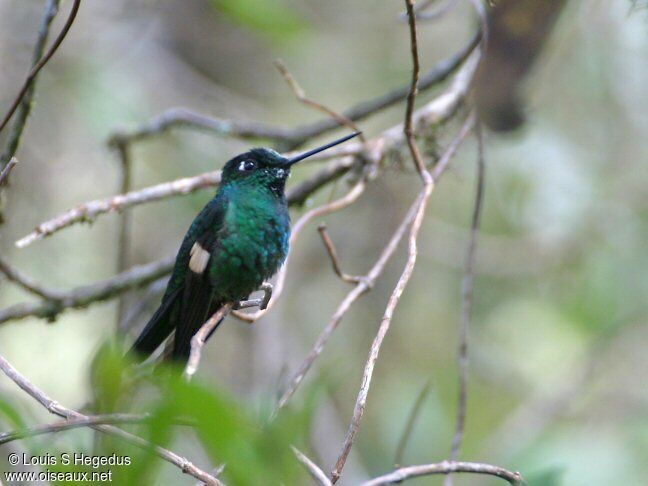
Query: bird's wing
{"x": 184, "y": 289}
{"x": 198, "y": 292}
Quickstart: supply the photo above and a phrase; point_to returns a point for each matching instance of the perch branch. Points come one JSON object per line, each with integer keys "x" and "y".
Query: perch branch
{"x": 446, "y": 467}
{"x": 56, "y": 408}
{"x": 198, "y": 339}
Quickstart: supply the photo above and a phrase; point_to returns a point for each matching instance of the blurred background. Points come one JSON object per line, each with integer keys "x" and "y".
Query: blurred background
{"x": 558, "y": 345}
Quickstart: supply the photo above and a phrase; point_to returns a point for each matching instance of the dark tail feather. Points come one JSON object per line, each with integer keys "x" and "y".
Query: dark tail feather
{"x": 158, "y": 328}
{"x": 195, "y": 311}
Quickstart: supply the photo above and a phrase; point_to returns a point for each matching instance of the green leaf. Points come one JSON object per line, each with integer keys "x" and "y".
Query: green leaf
{"x": 273, "y": 18}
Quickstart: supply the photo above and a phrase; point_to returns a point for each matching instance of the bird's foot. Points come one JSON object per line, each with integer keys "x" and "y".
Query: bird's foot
{"x": 261, "y": 303}
{"x": 267, "y": 295}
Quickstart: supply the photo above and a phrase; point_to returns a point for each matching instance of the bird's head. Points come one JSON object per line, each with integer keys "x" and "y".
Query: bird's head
{"x": 265, "y": 167}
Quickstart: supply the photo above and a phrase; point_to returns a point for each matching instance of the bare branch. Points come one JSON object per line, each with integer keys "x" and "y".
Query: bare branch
{"x": 446, "y": 467}
{"x": 313, "y": 469}
{"x": 467, "y": 285}
{"x": 89, "y": 211}
{"x": 292, "y": 138}
{"x": 56, "y": 408}
{"x": 25, "y": 95}
{"x": 181, "y": 117}
{"x": 198, "y": 339}
{"x": 27, "y": 283}
{"x": 80, "y": 297}
{"x": 332, "y": 253}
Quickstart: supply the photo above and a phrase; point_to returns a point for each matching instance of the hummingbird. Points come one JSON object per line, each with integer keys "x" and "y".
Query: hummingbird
{"x": 237, "y": 242}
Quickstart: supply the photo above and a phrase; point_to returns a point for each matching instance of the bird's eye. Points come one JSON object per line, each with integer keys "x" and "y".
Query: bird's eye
{"x": 247, "y": 166}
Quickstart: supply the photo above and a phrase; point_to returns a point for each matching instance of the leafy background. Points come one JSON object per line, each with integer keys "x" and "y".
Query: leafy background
{"x": 559, "y": 338}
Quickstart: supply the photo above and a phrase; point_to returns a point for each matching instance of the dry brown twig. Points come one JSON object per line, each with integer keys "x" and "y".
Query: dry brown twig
{"x": 56, "y": 408}
{"x": 300, "y": 94}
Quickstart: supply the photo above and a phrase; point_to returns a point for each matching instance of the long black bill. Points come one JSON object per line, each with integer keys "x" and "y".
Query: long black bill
{"x": 322, "y": 148}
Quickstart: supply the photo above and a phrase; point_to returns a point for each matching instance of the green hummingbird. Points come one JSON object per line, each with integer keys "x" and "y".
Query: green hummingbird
{"x": 237, "y": 241}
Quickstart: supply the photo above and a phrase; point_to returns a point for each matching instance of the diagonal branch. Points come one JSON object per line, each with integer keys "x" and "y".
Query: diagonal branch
{"x": 80, "y": 297}
{"x": 313, "y": 469}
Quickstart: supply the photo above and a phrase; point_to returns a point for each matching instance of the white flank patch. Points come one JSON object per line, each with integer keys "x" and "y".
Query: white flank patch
{"x": 199, "y": 258}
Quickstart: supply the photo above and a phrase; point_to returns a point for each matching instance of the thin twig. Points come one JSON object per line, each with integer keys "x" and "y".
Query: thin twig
{"x": 313, "y": 469}
{"x": 332, "y": 253}
{"x": 467, "y": 286}
{"x": 6, "y": 171}
{"x": 73, "y": 423}
{"x": 408, "y": 129}
{"x": 411, "y": 420}
{"x": 56, "y": 408}
{"x": 446, "y": 467}
{"x": 300, "y": 94}
{"x": 198, "y": 339}
{"x": 80, "y": 297}
{"x": 39, "y": 63}
{"x": 125, "y": 223}
{"x": 28, "y": 283}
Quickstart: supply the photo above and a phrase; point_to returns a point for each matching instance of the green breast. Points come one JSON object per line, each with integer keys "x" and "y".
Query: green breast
{"x": 253, "y": 243}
